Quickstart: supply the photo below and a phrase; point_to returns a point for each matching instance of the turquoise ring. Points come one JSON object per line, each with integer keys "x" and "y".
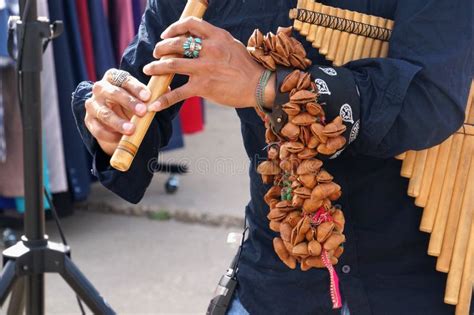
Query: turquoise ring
{"x": 192, "y": 47}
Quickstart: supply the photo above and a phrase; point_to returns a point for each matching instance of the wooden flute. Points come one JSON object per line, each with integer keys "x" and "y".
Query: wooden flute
{"x": 128, "y": 146}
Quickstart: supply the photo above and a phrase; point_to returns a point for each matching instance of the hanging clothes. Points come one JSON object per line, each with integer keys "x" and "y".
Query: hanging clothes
{"x": 86, "y": 37}
{"x": 11, "y": 171}
{"x": 69, "y": 55}
{"x": 53, "y": 139}
{"x": 137, "y": 13}
{"x": 101, "y": 40}
{"x": 191, "y": 115}
{"x": 121, "y": 20}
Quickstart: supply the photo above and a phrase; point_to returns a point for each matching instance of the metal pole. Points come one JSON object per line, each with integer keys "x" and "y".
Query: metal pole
{"x": 31, "y": 66}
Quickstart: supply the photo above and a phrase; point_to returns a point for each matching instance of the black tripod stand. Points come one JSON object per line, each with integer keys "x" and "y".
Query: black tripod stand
{"x": 28, "y": 260}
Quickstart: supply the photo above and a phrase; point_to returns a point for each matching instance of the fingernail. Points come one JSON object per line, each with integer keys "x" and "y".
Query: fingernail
{"x": 140, "y": 108}
{"x": 163, "y": 35}
{"x": 155, "y": 107}
{"x": 145, "y": 69}
{"x": 127, "y": 126}
{"x": 144, "y": 95}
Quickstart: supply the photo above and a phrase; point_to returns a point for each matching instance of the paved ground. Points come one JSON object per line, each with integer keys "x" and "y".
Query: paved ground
{"x": 216, "y": 189}
{"x": 142, "y": 266}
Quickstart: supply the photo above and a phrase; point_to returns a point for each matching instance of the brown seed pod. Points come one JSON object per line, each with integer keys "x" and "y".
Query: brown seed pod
{"x": 297, "y": 48}
{"x": 284, "y": 205}
{"x": 302, "y": 192}
{"x": 300, "y": 249}
{"x": 291, "y": 131}
{"x": 335, "y": 196}
{"x": 276, "y": 214}
{"x": 314, "y": 248}
{"x": 324, "y": 177}
{"x": 312, "y": 205}
{"x": 317, "y": 131}
{"x": 274, "y": 226}
{"x": 314, "y": 109}
{"x": 295, "y": 184}
{"x": 336, "y": 143}
{"x": 293, "y": 218}
{"x": 294, "y": 147}
{"x": 304, "y": 266}
{"x": 285, "y": 30}
{"x": 310, "y": 235}
{"x": 339, "y": 220}
{"x": 324, "y": 149}
{"x": 273, "y": 203}
{"x": 282, "y": 45}
{"x": 308, "y": 180}
{"x": 270, "y": 136}
{"x": 268, "y": 179}
{"x": 273, "y": 152}
{"x": 305, "y": 135}
{"x": 272, "y": 193}
{"x": 284, "y": 151}
{"x": 290, "y": 82}
{"x": 315, "y": 261}
{"x": 338, "y": 252}
{"x": 324, "y": 230}
{"x": 285, "y": 231}
{"x": 335, "y": 128}
{"x": 324, "y": 190}
{"x": 304, "y": 81}
{"x": 298, "y": 233}
{"x": 297, "y": 201}
{"x": 302, "y": 97}
{"x": 307, "y": 154}
{"x": 268, "y": 168}
{"x": 256, "y": 39}
{"x": 291, "y": 109}
{"x": 280, "y": 58}
{"x": 286, "y": 165}
{"x": 303, "y": 119}
{"x": 334, "y": 241}
{"x": 313, "y": 142}
{"x": 288, "y": 246}
{"x": 267, "y": 41}
{"x": 283, "y": 253}
{"x": 268, "y": 62}
{"x": 298, "y": 61}
{"x": 311, "y": 166}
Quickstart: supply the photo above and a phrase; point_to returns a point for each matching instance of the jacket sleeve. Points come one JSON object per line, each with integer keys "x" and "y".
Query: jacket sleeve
{"x": 416, "y": 98}
{"x": 131, "y": 185}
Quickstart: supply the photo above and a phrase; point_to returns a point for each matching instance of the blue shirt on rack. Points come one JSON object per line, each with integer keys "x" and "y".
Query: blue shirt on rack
{"x": 414, "y": 99}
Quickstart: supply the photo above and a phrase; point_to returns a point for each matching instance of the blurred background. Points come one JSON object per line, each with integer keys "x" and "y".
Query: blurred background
{"x": 164, "y": 255}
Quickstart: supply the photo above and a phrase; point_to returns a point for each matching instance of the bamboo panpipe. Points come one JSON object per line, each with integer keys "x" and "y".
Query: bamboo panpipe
{"x": 125, "y": 153}
{"x": 305, "y": 27}
{"x": 462, "y": 238}
{"x": 441, "y": 178}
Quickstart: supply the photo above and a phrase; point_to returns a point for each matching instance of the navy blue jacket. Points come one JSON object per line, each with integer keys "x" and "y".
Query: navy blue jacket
{"x": 412, "y": 100}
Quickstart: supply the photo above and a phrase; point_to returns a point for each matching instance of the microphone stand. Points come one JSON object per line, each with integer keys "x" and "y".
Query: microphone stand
{"x": 25, "y": 263}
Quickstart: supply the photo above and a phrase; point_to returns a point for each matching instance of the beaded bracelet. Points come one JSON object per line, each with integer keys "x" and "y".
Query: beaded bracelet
{"x": 260, "y": 91}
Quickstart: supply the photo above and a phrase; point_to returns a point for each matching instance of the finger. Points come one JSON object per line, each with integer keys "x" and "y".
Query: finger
{"x": 109, "y": 118}
{"x": 169, "y": 46}
{"x": 119, "y": 96}
{"x": 172, "y": 65}
{"x": 171, "y": 98}
{"x": 100, "y": 132}
{"x": 192, "y": 25}
{"x": 132, "y": 85}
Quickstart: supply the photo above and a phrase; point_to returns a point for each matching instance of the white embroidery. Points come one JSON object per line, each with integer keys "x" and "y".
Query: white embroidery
{"x": 337, "y": 154}
{"x": 329, "y": 71}
{"x": 354, "y": 132}
{"x": 346, "y": 113}
{"x": 322, "y": 87}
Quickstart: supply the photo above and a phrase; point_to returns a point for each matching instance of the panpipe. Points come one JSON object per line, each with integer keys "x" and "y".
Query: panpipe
{"x": 442, "y": 177}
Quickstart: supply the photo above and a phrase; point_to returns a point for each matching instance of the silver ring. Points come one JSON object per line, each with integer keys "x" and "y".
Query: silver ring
{"x": 119, "y": 77}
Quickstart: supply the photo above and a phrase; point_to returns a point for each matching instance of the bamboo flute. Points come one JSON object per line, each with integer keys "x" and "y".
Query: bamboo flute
{"x": 127, "y": 149}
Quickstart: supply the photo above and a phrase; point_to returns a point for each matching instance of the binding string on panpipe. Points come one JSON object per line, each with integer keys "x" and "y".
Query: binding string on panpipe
{"x": 442, "y": 177}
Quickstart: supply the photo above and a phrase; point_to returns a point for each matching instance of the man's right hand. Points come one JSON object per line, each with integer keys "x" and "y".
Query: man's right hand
{"x": 109, "y": 110}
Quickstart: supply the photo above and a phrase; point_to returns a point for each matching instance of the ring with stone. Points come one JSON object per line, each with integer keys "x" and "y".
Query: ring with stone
{"x": 119, "y": 77}
{"x": 192, "y": 47}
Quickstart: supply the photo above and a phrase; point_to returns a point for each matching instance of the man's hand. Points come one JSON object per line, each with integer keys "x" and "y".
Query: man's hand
{"x": 223, "y": 73}
{"x": 109, "y": 110}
